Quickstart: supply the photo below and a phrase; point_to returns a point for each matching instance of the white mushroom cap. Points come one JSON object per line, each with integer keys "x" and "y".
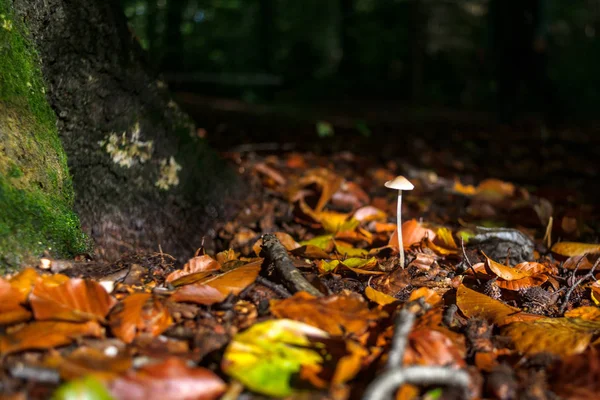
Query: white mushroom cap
{"x": 400, "y": 183}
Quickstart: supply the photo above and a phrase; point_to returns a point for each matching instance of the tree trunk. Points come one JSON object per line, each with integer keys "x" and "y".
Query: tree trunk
{"x": 141, "y": 176}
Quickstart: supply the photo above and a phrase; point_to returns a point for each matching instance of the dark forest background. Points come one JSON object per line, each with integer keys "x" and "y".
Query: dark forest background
{"x": 432, "y": 53}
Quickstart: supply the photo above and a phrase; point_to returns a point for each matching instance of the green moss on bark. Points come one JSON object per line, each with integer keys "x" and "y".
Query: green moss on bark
{"x": 36, "y": 192}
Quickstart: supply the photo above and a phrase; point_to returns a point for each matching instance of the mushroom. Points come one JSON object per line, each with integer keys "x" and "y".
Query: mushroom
{"x": 400, "y": 183}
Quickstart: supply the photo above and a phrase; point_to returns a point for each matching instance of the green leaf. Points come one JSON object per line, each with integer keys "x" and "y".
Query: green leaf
{"x": 265, "y": 356}
{"x": 88, "y": 388}
{"x": 325, "y": 129}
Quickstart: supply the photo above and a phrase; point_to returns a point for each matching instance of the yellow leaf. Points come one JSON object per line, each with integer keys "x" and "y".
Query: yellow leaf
{"x": 571, "y": 249}
{"x": 379, "y": 297}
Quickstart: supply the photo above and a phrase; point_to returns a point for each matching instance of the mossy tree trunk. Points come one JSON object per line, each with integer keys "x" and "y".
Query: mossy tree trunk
{"x": 141, "y": 178}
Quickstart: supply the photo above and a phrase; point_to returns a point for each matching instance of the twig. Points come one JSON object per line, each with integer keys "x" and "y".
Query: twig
{"x": 292, "y": 278}
{"x": 462, "y": 244}
{"x": 278, "y": 289}
{"x": 572, "y": 288}
{"x": 35, "y": 374}
{"x": 403, "y": 322}
{"x": 384, "y": 386}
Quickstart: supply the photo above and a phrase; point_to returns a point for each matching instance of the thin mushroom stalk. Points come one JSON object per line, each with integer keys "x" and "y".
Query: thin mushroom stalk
{"x": 400, "y": 183}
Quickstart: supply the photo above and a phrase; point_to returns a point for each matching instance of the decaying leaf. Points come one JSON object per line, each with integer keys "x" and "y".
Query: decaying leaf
{"x": 344, "y": 314}
{"x": 169, "y": 379}
{"x": 46, "y": 335}
{"x": 139, "y": 313}
{"x": 265, "y": 356}
{"x": 75, "y": 300}
{"x": 203, "y": 263}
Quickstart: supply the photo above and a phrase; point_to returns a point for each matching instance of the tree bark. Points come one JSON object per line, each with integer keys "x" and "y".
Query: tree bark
{"x": 142, "y": 178}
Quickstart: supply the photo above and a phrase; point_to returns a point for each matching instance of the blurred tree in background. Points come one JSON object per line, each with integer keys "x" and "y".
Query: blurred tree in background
{"x": 425, "y": 52}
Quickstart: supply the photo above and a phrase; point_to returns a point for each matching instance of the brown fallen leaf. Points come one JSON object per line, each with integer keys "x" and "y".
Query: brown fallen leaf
{"x": 85, "y": 361}
{"x": 203, "y": 263}
{"x": 430, "y": 296}
{"x": 170, "y": 379}
{"x": 431, "y": 347}
{"x": 139, "y": 313}
{"x": 523, "y": 283}
{"x": 560, "y": 336}
{"x": 343, "y": 314}
{"x": 577, "y": 377}
{"x": 286, "y": 240}
{"x": 477, "y": 305}
{"x": 46, "y": 335}
{"x": 75, "y": 300}
{"x": 235, "y": 280}
{"x": 198, "y": 293}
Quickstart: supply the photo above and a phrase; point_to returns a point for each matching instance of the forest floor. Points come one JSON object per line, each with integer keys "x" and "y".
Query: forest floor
{"x": 307, "y": 296}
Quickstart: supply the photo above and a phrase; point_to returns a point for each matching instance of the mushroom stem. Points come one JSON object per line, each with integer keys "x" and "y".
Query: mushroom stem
{"x": 399, "y": 229}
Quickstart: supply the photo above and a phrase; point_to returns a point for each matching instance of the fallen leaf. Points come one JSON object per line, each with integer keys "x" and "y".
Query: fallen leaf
{"x": 577, "y": 377}
{"x": 85, "y": 361}
{"x": 505, "y": 272}
{"x": 523, "y": 283}
{"x": 430, "y": 296}
{"x": 203, "y": 263}
{"x": 587, "y": 313}
{"x": 560, "y": 336}
{"x": 477, "y": 305}
{"x": 88, "y": 388}
{"x": 412, "y": 232}
{"x": 430, "y": 347}
{"x": 75, "y": 300}
{"x": 139, "y": 313}
{"x": 11, "y": 310}
{"x": 369, "y": 213}
{"x": 169, "y": 379}
{"x": 343, "y": 314}
{"x": 46, "y": 335}
{"x": 268, "y": 354}
{"x": 286, "y": 240}
{"x": 235, "y": 280}
{"x": 572, "y": 249}
{"x": 379, "y": 297}
{"x": 198, "y": 293}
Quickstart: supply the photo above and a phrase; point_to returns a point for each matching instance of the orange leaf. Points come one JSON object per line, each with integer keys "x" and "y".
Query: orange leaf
{"x": 429, "y": 295}
{"x": 236, "y": 280}
{"x": 412, "y": 232}
{"x": 76, "y": 300}
{"x": 505, "y": 272}
{"x": 139, "y": 313}
{"x": 477, "y": 305}
{"x": 379, "y": 297}
{"x": 199, "y": 294}
{"x": 523, "y": 283}
{"x": 47, "y": 334}
{"x": 286, "y": 240}
{"x": 170, "y": 379}
{"x": 24, "y": 281}
{"x": 11, "y": 310}
{"x": 203, "y": 263}
{"x": 571, "y": 249}
{"x": 581, "y": 263}
{"x": 431, "y": 347}
{"x": 588, "y": 313}
{"x": 338, "y": 315}
{"x": 536, "y": 267}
